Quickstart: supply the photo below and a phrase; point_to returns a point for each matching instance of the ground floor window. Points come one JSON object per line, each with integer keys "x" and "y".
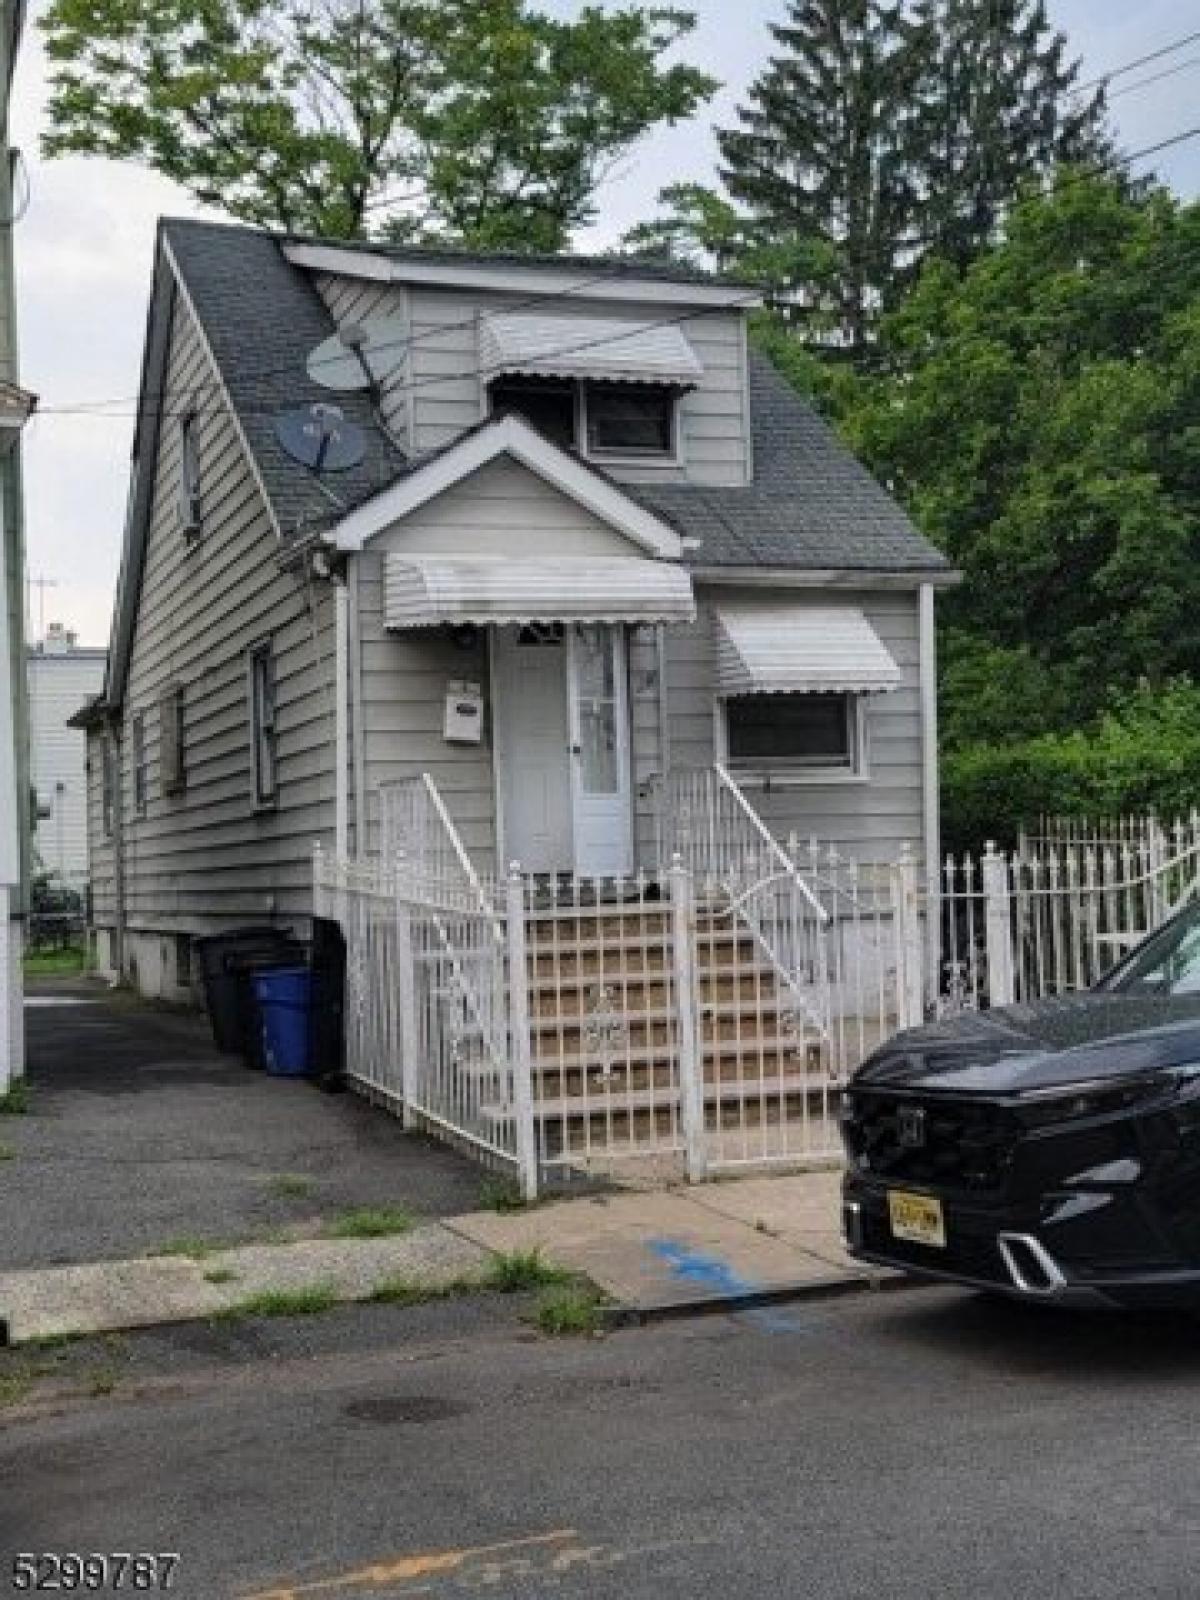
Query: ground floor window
{"x": 805, "y": 733}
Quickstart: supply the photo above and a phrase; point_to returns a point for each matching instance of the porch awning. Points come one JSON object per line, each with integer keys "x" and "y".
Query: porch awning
{"x": 587, "y": 347}
{"x": 800, "y": 650}
{"x": 426, "y": 591}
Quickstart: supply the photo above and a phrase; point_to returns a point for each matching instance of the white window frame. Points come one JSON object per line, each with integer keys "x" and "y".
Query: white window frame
{"x": 672, "y": 457}
{"x": 615, "y": 458}
{"x": 191, "y": 497}
{"x": 795, "y": 775}
{"x": 264, "y": 725}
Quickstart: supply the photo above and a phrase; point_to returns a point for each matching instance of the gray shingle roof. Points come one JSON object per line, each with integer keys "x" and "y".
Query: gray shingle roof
{"x": 811, "y": 506}
{"x": 812, "y": 503}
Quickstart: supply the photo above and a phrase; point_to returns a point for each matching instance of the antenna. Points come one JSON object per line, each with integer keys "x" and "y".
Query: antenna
{"x": 361, "y": 355}
{"x": 320, "y": 438}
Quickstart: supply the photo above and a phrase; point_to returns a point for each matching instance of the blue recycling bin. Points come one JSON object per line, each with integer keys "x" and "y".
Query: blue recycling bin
{"x": 284, "y": 997}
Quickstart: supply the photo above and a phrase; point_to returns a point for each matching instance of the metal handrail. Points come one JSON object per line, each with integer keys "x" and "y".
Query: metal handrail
{"x": 785, "y": 863}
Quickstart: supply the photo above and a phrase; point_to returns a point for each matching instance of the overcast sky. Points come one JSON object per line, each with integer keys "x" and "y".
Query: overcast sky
{"x": 84, "y": 255}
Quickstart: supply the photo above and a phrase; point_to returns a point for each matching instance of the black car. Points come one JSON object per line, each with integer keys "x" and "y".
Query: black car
{"x": 1049, "y": 1150}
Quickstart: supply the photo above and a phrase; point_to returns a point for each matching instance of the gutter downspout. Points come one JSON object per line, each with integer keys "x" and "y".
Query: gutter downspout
{"x": 357, "y": 732}
{"x": 341, "y": 741}
{"x": 114, "y": 752}
{"x": 930, "y": 789}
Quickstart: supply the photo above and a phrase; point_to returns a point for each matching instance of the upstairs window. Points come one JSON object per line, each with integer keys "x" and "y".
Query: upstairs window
{"x": 171, "y": 755}
{"x": 605, "y": 420}
{"x": 262, "y": 724}
{"x": 548, "y": 406}
{"x": 190, "y": 504}
{"x": 630, "y": 419}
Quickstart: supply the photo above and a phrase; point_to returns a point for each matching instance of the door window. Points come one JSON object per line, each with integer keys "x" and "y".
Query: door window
{"x": 596, "y": 693}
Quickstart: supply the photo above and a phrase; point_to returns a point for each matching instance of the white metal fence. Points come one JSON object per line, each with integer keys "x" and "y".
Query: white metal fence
{"x": 1053, "y": 915}
{"x": 696, "y": 1018}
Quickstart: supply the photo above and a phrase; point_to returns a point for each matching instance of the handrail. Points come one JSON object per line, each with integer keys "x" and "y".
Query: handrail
{"x": 460, "y": 853}
{"x": 786, "y": 865}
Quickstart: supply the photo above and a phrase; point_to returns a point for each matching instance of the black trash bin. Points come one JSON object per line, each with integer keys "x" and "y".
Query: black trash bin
{"x": 242, "y": 967}
{"x": 221, "y": 993}
{"x": 326, "y": 1023}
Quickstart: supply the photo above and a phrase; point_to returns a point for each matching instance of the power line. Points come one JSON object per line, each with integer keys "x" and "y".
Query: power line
{"x": 1139, "y": 61}
{"x": 1157, "y": 77}
{"x": 437, "y": 379}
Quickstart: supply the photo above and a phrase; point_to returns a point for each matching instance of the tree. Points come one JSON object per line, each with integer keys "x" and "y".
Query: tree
{"x": 878, "y": 134}
{"x": 822, "y": 151}
{"x": 998, "y": 106}
{"x": 484, "y": 122}
{"x": 1040, "y": 418}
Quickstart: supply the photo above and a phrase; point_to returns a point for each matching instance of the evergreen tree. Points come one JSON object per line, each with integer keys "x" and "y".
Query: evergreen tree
{"x": 823, "y": 152}
{"x": 997, "y": 108}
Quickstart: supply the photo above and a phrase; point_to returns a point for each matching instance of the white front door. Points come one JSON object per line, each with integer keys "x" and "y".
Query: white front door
{"x": 600, "y": 768}
{"x": 560, "y": 708}
{"x": 529, "y": 712}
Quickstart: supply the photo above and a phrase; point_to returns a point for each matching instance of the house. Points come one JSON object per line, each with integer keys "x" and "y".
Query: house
{"x": 15, "y": 408}
{"x": 544, "y": 529}
{"x": 61, "y": 674}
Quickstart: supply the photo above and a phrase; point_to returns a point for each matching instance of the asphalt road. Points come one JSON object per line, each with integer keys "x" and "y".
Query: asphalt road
{"x": 925, "y": 1444}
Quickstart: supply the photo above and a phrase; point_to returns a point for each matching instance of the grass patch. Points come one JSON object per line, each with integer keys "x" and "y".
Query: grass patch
{"x": 54, "y": 963}
{"x": 513, "y": 1271}
{"x": 14, "y": 1102}
{"x": 7, "y": 1153}
{"x": 291, "y": 1184}
{"x": 193, "y": 1249}
{"x": 14, "y": 1386}
{"x": 412, "y": 1292}
{"x": 571, "y": 1312}
{"x": 284, "y": 1303}
{"x": 220, "y": 1275}
{"x": 377, "y": 1222}
{"x": 102, "y": 1382}
{"x": 498, "y": 1193}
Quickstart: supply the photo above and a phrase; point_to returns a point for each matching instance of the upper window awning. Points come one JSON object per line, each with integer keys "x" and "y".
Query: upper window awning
{"x": 426, "y": 591}
{"x": 800, "y": 650}
{"x": 587, "y": 347}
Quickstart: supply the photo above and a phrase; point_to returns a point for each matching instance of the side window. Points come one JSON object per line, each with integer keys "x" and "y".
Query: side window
{"x": 802, "y": 732}
{"x": 630, "y": 419}
{"x": 262, "y": 724}
{"x": 140, "y": 771}
{"x": 190, "y": 499}
{"x": 171, "y": 754}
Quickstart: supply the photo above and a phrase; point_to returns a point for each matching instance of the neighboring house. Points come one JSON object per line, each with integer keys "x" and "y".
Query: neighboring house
{"x": 62, "y": 674}
{"x": 15, "y": 407}
{"x": 592, "y": 537}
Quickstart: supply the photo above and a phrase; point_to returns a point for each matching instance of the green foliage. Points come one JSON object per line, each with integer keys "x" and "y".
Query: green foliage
{"x": 1142, "y": 755}
{"x": 14, "y": 1102}
{"x": 371, "y": 1222}
{"x": 569, "y": 1312}
{"x": 194, "y": 1249}
{"x": 500, "y": 1193}
{"x": 484, "y": 122}
{"x": 1040, "y": 418}
{"x": 877, "y": 135}
{"x": 283, "y": 1303}
{"x": 292, "y": 1185}
{"x": 513, "y": 1271}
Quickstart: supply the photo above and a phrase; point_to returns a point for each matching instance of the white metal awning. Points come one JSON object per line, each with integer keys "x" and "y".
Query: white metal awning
{"x": 425, "y": 591}
{"x": 587, "y": 347}
{"x": 800, "y": 650}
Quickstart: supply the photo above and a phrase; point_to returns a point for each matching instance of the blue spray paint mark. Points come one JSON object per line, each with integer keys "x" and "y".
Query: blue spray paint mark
{"x": 718, "y": 1276}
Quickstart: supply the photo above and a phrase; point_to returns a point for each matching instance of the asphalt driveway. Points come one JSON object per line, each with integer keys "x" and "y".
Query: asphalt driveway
{"x": 140, "y": 1134}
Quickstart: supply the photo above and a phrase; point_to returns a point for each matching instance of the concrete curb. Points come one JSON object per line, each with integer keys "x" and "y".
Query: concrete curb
{"x": 835, "y": 1287}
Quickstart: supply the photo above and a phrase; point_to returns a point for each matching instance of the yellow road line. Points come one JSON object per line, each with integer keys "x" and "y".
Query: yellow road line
{"x": 405, "y": 1568}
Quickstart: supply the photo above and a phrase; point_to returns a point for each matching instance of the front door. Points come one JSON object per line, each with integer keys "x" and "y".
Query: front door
{"x": 529, "y": 711}
{"x": 600, "y": 767}
{"x": 561, "y": 714}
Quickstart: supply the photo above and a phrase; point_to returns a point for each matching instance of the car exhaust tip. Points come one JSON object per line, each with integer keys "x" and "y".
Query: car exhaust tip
{"x": 1030, "y": 1265}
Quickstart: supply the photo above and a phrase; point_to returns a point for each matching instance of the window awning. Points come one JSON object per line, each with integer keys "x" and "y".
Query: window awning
{"x": 426, "y": 591}
{"x": 800, "y": 650}
{"x": 587, "y": 347}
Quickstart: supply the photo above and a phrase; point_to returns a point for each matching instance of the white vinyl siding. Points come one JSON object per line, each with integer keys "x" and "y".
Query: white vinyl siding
{"x": 58, "y": 687}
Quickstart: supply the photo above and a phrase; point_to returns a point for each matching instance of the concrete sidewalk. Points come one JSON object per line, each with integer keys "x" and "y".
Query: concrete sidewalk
{"x": 651, "y": 1253}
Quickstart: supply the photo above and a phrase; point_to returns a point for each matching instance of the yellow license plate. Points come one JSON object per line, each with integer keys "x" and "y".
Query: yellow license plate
{"x": 917, "y": 1218}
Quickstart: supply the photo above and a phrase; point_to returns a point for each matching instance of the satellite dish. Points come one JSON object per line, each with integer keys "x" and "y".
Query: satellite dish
{"x": 361, "y": 355}
{"x": 321, "y": 438}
